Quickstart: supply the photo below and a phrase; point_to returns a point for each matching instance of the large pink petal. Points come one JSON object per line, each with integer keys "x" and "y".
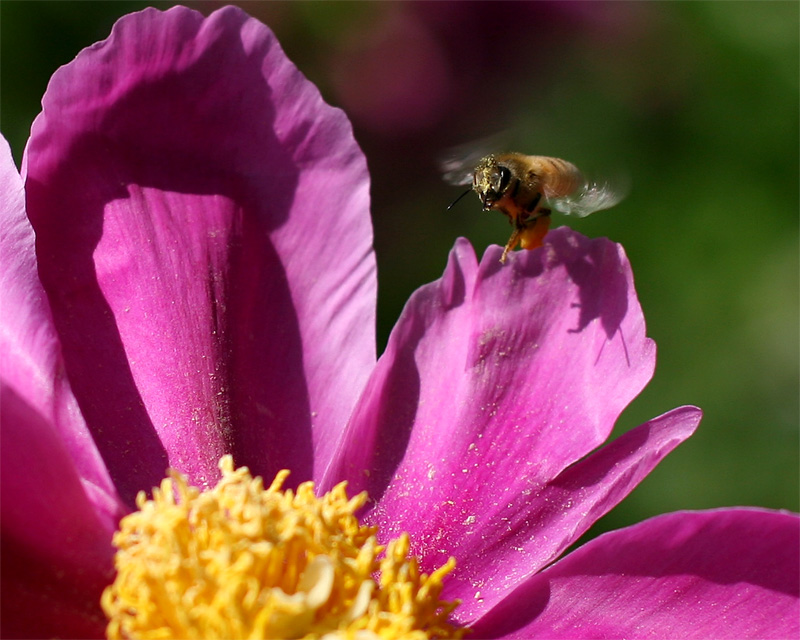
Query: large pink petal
{"x": 529, "y": 362}
{"x": 58, "y": 507}
{"x": 30, "y": 357}
{"x": 495, "y": 380}
{"x": 204, "y": 240}
{"x": 730, "y": 573}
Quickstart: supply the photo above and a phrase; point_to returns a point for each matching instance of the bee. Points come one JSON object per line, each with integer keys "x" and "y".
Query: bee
{"x": 527, "y": 189}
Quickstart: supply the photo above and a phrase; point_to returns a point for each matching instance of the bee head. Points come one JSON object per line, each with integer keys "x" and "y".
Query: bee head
{"x": 490, "y": 181}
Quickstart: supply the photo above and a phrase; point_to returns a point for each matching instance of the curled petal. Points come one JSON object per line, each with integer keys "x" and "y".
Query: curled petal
{"x": 187, "y": 184}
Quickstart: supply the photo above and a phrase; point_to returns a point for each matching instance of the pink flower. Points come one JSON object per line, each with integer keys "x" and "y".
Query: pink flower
{"x": 201, "y": 281}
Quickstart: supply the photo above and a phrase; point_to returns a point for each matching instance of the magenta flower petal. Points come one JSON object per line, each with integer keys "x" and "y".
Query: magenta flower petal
{"x": 728, "y": 573}
{"x": 491, "y": 355}
{"x": 57, "y": 504}
{"x": 203, "y": 237}
{"x": 513, "y": 537}
{"x": 28, "y": 343}
{"x": 58, "y": 507}
{"x": 495, "y": 381}
{"x": 31, "y": 366}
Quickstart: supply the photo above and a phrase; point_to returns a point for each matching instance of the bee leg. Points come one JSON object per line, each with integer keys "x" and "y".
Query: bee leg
{"x": 532, "y": 235}
{"x": 512, "y": 242}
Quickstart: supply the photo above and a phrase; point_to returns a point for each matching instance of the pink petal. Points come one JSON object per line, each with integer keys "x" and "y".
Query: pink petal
{"x": 532, "y": 361}
{"x": 58, "y": 507}
{"x": 510, "y": 540}
{"x": 28, "y": 343}
{"x": 204, "y": 240}
{"x": 30, "y": 354}
{"x": 495, "y": 380}
{"x": 729, "y": 573}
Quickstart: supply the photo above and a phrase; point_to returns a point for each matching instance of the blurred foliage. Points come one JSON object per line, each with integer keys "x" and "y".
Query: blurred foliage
{"x": 696, "y": 102}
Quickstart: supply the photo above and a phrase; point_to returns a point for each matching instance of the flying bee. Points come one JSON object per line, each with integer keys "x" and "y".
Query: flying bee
{"x": 527, "y": 189}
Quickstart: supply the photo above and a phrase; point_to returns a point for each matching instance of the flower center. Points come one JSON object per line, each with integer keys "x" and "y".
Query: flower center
{"x": 240, "y": 561}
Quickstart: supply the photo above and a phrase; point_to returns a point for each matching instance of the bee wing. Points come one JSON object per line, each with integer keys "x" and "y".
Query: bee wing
{"x": 457, "y": 164}
{"x": 592, "y": 197}
{"x": 458, "y": 171}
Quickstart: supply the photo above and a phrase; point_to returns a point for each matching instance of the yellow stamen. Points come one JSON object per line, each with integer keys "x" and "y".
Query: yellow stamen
{"x": 240, "y": 561}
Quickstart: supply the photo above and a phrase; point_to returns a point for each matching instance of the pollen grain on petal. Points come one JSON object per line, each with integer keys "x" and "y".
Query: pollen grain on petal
{"x": 242, "y": 561}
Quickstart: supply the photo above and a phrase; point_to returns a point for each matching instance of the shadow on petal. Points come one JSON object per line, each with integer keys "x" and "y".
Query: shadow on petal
{"x": 178, "y": 193}
{"x": 583, "y": 259}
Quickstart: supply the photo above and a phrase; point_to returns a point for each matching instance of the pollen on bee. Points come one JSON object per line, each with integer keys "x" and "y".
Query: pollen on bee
{"x": 532, "y": 237}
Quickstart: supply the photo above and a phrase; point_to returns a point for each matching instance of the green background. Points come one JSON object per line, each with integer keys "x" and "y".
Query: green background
{"x": 695, "y": 103}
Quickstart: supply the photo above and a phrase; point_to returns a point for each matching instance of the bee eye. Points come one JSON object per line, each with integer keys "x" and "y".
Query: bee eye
{"x": 504, "y": 178}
